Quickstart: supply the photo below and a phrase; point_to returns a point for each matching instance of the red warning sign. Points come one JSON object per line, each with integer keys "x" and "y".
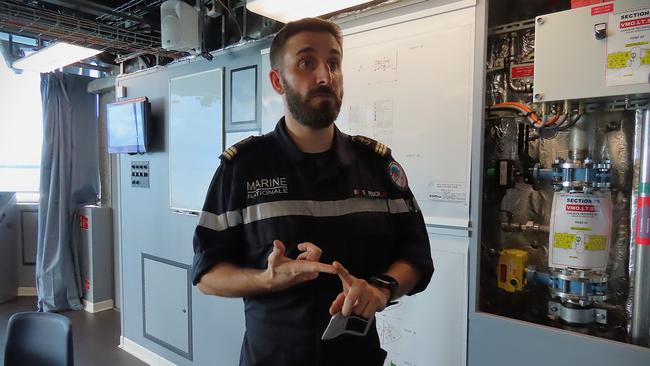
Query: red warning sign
{"x": 580, "y": 208}
{"x": 83, "y": 222}
{"x": 635, "y": 22}
{"x": 522, "y": 71}
{"x": 602, "y": 9}
{"x": 643, "y": 221}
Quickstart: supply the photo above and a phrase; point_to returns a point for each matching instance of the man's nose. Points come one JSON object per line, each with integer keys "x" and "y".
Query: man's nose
{"x": 323, "y": 74}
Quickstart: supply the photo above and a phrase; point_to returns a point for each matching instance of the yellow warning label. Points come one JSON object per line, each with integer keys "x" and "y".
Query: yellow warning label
{"x": 564, "y": 240}
{"x": 618, "y": 60}
{"x": 635, "y": 44}
{"x": 596, "y": 242}
{"x": 645, "y": 59}
{"x": 581, "y": 228}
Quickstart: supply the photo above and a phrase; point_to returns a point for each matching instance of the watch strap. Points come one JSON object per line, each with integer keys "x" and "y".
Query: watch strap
{"x": 387, "y": 282}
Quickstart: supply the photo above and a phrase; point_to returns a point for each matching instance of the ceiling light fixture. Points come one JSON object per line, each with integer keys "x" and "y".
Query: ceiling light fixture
{"x": 288, "y": 10}
{"x": 53, "y": 57}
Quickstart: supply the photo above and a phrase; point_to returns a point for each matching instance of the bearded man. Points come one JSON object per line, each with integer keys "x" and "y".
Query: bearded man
{"x": 307, "y": 222}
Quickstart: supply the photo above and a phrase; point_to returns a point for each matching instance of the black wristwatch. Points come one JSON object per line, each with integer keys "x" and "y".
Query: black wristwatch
{"x": 387, "y": 282}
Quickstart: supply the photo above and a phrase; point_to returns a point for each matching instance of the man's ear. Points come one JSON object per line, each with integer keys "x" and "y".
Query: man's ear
{"x": 274, "y": 75}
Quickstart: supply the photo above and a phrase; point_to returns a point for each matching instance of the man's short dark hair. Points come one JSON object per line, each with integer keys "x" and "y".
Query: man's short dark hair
{"x": 303, "y": 25}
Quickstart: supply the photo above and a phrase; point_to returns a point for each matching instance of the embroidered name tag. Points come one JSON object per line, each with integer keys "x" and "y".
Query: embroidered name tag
{"x": 266, "y": 187}
{"x": 368, "y": 193}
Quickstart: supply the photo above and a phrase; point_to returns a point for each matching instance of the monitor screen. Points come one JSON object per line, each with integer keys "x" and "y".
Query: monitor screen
{"x": 127, "y": 122}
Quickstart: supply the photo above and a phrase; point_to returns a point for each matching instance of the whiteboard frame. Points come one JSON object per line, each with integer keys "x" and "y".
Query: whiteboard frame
{"x": 187, "y": 210}
{"x": 408, "y": 17}
{"x": 272, "y": 105}
{"x": 236, "y": 90}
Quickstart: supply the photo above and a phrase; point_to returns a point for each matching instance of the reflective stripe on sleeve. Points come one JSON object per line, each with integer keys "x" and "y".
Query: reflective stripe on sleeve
{"x": 220, "y": 222}
{"x": 268, "y": 210}
{"x": 398, "y": 206}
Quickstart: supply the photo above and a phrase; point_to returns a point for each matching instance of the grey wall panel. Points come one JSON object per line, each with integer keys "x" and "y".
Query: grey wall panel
{"x": 167, "y": 304}
{"x": 476, "y": 197}
{"x": 147, "y": 225}
{"x": 110, "y": 195}
{"x": 29, "y": 236}
{"x": 497, "y": 341}
{"x": 8, "y": 266}
{"x": 27, "y": 242}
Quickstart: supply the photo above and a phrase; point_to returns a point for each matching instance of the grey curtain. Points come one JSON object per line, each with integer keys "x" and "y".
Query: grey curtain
{"x": 69, "y": 179}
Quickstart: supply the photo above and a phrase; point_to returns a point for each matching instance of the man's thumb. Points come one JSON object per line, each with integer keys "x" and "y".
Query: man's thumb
{"x": 278, "y": 251}
{"x": 278, "y": 244}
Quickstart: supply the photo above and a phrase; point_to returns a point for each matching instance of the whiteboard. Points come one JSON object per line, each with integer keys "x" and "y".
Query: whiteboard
{"x": 409, "y": 85}
{"x": 195, "y": 137}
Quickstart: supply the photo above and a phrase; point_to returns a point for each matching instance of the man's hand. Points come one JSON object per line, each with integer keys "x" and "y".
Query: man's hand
{"x": 283, "y": 272}
{"x": 358, "y": 296}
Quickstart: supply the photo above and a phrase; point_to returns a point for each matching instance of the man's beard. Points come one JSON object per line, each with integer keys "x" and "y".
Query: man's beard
{"x": 315, "y": 117}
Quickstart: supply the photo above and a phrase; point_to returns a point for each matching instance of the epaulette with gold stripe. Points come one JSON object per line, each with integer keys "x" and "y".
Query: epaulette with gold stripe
{"x": 375, "y": 145}
{"x": 230, "y": 153}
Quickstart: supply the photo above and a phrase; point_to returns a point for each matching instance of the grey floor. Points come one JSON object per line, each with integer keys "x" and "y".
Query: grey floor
{"x": 95, "y": 336}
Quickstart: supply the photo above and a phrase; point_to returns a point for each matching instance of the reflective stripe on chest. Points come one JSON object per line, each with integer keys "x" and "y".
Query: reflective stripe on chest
{"x": 267, "y": 210}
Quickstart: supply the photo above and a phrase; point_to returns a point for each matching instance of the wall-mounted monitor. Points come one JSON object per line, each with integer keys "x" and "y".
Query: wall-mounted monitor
{"x": 128, "y": 123}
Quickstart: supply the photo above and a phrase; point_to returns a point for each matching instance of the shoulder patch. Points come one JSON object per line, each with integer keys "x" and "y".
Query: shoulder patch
{"x": 374, "y": 145}
{"x": 397, "y": 175}
{"x": 230, "y": 153}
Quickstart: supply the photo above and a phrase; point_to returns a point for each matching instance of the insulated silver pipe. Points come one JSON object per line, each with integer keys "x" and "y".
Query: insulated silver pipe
{"x": 641, "y": 304}
{"x": 578, "y": 139}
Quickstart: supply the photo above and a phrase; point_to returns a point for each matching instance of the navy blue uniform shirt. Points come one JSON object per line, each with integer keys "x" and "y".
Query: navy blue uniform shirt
{"x": 351, "y": 201}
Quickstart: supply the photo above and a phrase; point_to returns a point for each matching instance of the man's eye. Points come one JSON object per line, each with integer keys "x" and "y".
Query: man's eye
{"x": 334, "y": 65}
{"x": 306, "y": 64}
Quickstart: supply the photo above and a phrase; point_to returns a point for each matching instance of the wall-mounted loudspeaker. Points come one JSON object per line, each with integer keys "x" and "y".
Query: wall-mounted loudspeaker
{"x": 179, "y": 26}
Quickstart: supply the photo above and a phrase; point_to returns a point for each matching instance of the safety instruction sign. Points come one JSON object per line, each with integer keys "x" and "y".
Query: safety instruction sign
{"x": 448, "y": 192}
{"x": 580, "y": 231}
{"x": 628, "y": 47}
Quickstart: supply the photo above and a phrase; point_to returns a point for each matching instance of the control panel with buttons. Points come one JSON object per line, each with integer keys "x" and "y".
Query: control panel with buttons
{"x": 140, "y": 174}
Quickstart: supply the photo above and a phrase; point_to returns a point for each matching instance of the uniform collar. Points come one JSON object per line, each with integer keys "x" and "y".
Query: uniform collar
{"x": 341, "y": 144}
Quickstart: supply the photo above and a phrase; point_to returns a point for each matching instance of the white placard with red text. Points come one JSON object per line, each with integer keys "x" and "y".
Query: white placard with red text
{"x": 628, "y": 47}
{"x": 580, "y": 231}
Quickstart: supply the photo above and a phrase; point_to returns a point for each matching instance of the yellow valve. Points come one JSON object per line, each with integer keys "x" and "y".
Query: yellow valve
{"x": 511, "y": 269}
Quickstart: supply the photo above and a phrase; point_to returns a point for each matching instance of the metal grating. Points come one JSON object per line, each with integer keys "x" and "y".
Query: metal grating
{"x": 24, "y": 19}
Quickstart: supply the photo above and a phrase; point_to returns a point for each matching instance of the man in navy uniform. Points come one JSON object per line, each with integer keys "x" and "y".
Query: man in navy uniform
{"x": 306, "y": 221}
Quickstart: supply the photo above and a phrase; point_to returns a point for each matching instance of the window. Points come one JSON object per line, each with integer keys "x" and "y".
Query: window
{"x": 21, "y": 131}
